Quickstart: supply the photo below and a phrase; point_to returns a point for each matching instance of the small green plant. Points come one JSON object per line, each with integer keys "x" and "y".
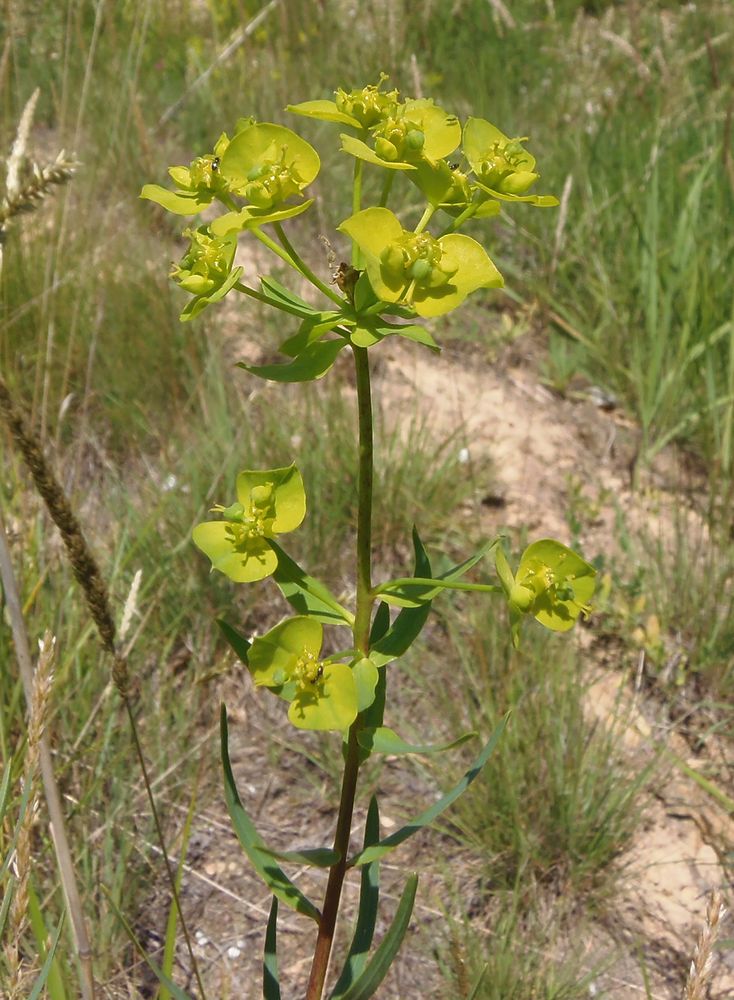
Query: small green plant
{"x": 397, "y": 273}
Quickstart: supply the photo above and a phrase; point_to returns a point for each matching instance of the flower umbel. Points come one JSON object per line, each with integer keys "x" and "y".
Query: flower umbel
{"x": 431, "y": 275}
{"x": 269, "y": 503}
{"x": 552, "y": 583}
{"x": 322, "y": 694}
{"x": 196, "y": 185}
{"x": 206, "y": 269}
{"x": 502, "y": 166}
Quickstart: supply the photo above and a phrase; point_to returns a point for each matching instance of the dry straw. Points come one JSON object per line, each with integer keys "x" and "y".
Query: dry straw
{"x": 699, "y": 975}
{"x": 18, "y": 915}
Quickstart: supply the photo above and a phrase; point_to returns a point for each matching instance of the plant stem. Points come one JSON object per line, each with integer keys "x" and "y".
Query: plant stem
{"x": 362, "y": 620}
{"x": 365, "y": 598}
{"x": 303, "y": 267}
{"x": 425, "y": 218}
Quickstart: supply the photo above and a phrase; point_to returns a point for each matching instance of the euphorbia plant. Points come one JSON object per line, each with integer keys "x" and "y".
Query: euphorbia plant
{"x": 397, "y": 272}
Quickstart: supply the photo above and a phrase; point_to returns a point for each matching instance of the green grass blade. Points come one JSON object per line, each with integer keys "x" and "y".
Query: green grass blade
{"x": 276, "y": 880}
{"x": 46, "y": 967}
{"x": 54, "y": 977}
{"x": 7, "y": 897}
{"x": 478, "y": 983}
{"x": 175, "y": 991}
{"x": 427, "y": 817}
{"x": 5, "y": 789}
{"x": 369, "y": 897}
{"x": 370, "y": 979}
{"x": 271, "y": 981}
{"x": 169, "y": 948}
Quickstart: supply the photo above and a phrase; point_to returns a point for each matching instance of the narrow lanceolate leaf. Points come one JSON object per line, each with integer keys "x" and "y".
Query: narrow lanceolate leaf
{"x": 278, "y": 293}
{"x": 369, "y": 981}
{"x": 306, "y": 594}
{"x": 369, "y": 896}
{"x": 43, "y": 975}
{"x": 276, "y": 880}
{"x": 237, "y": 641}
{"x": 312, "y": 363}
{"x": 317, "y": 857}
{"x": 409, "y": 623}
{"x": 412, "y": 593}
{"x": 430, "y": 814}
{"x": 271, "y": 980}
{"x": 385, "y": 740}
{"x": 310, "y": 331}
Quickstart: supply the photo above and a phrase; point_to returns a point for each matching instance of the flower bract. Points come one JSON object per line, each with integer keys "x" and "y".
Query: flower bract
{"x": 269, "y": 503}
{"x": 322, "y": 694}
{"x": 502, "y": 166}
{"x": 196, "y": 185}
{"x": 552, "y": 583}
{"x": 268, "y": 164}
{"x": 415, "y": 131}
{"x": 431, "y": 275}
{"x": 362, "y": 107}
{"x": 205, "y": 270}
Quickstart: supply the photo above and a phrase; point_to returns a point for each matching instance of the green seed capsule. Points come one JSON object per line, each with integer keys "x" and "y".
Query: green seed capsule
{"x": 386, "y": 150}
{"x": 421, "y": 269}
{"x": 256, "y": 172}
{"x": 415, "y": 139}
{"x": 259, "y": 195}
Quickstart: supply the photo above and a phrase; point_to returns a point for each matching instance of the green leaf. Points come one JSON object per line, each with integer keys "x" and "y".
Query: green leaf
{"x": 409, "y": 623}
{"x": 43, "y": 975}
{"x": 380, "y": 623}
{"x": 384, "y": 740}
{"x": 276, "y": 880}
{"x": 369, "y": 981}
{"x": 312, "y": 363}
{"x": 410, "y": 331}
{"x": 369, "y": 895}
{"x": 366, "y": 676}
{"x": 355, "y": 147}
{"x": 173, "y": 201}
{"x": 326, "y": 111}
{"x": 271, "y": 983}
{"x": 316, "y": 857}
{"x": 430, "y": 814}
{"x": 307, "y": 595}
{"x": 412, "y": 593}
{"x": 310, "y": 331}
{"x": 238, "y": 642}
{"x": 275, "y": 291}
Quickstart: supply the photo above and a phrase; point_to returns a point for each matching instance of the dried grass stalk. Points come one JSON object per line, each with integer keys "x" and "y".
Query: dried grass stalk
{"x": 18, "y": 916}
{"x": 699, "y": 974}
